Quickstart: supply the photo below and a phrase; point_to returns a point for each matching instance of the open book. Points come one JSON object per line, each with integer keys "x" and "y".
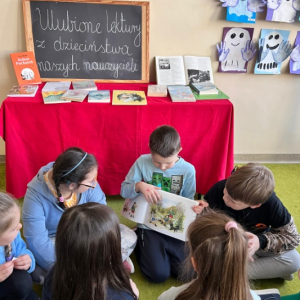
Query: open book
{"x": 171, "y": 216}
{"x": 183, "y": 70}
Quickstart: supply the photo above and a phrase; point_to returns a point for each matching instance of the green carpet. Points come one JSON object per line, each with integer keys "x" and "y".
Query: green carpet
{"x": 287, "y": 178}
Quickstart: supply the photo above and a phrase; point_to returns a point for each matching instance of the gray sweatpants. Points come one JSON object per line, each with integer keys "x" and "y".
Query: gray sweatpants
{"x": 269, "y": 265}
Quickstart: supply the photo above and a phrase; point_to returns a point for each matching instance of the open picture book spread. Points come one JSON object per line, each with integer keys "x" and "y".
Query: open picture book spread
{"x": 26, "y": 90}
{"x": 182, "y": 70}
{"x": 171, "y": 216}
{"x": 53, "y": 97}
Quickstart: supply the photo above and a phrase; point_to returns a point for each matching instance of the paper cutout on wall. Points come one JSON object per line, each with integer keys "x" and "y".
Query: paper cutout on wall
{"x": 243, "y": 11}
{"x": 282, "y": 10}
{"x": 236, "y": 49}
{"x": 274, "y": 48}
{"x": 295, "y": 56}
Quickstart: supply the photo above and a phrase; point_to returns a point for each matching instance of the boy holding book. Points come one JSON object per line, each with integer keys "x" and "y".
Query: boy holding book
{"x": 159, "y": 255}
{"x": 248, "y": 197}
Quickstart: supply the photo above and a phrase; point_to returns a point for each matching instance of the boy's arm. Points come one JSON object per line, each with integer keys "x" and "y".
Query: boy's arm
{"x": 128, "y": 185}
{"x": 280, "y": 240}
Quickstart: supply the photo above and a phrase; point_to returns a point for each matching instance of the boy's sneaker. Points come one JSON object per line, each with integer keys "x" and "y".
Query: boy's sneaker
{"x": 128, "y": 264}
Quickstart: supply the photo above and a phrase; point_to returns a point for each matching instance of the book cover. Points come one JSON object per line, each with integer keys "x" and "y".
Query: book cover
{"x": 155, "y": 90}
{"x": 25, "y": 68}
{"x": 268, "y": 294}
{"x": 171, "y": 216}
{"x": 129, "y": 98}
{"x": 181, "y": 93}
{"x": 100, "y": 96}
{"x": 204, "y": 88}
{"x": 88, "y": 85}
{"x": 75, "y": 95}
{"x": 56, "y": 86}
{"x": 53, "y": 97}
{"x": 219, "y": 96}
{"x": 26, "y": 90}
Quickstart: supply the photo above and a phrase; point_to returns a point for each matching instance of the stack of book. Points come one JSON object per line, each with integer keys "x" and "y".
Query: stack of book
{"x": 88, "y": 85}
{"x": 54, "y": 90}
{"x": 204, "y": 88}
{"x": 25, "y": 90}
{"x": 155, "y": 90}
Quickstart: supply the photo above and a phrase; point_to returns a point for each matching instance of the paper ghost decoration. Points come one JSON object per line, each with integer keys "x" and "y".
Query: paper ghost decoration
{"x": 236, "y": 49}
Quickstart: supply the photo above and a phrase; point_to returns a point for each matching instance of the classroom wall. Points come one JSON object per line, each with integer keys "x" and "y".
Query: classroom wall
{"x": 267, "y": 107}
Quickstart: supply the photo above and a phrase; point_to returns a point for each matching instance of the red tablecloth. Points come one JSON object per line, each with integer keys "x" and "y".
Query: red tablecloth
{"x": 35, "y": 134}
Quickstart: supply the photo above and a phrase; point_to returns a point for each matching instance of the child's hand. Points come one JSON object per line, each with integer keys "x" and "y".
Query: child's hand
{"x": 253, "y": 244}
{"x": 149, "y": 191}
{"x": 199, "y": 208}
{"x": 22, "y": 262}
{"x": 134, "y": 288}
{"x": 5, "y": 270}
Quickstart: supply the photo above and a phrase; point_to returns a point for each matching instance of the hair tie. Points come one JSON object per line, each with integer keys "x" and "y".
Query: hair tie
{"x": 230, "y": 225}
{"x": 61, "y": 199}
{"x": 85, "y": 155}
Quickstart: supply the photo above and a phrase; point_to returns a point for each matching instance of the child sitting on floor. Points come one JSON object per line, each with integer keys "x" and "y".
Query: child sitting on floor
{"x": 248, "y": 197}
{"x": 159, "y": 255}
{"x": 16, "y": 261}
{"x": 219, "y": 254}
{"x": 88, "y": 257}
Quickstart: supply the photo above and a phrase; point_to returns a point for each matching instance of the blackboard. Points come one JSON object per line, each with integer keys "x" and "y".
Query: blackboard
{"x": 89, "y": 39}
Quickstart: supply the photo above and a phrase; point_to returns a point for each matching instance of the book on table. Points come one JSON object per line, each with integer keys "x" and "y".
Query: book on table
{"x": 220, "y": 96}
{"x": 181, "y": 93}
{"x": 129, "y": 98}
{"x": 25, "y": 90}
{"x": 100, "y": 96}
{"x": 56, "y": 86}
{"x": 182, "y": 70}
{"x": 155, "y": 90}
{"x": 75, "y": 95}
{"x": 268, "y": 294}
{"x": 53, "y": 97}
{"x": 25, "y": 67}
{"x": 204, "y": 88}
{"x": 88, "y": 85}
{"x": 171, "y": 216}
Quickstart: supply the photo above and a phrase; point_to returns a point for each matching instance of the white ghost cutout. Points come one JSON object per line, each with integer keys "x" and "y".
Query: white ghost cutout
{"x": 236, "y": 50}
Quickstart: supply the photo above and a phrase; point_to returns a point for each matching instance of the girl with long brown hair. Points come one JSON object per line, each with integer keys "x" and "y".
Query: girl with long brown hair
{"x": 88, "y": 257}
{"x": 219, "y": 254}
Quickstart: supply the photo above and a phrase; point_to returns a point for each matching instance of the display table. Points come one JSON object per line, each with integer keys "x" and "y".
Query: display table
{"x": 35, "y": 134}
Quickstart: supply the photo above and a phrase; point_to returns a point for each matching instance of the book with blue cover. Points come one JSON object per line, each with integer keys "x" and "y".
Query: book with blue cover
{"x": 181, "y": 93}
{"x": 100, "y": 96}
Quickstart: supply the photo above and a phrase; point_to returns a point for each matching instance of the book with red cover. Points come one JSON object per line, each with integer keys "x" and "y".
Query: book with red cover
{"x": 25, "y": 68}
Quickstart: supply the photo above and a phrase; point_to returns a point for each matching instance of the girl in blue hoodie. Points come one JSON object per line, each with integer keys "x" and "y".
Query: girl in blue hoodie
{"x": 16, "y": 261}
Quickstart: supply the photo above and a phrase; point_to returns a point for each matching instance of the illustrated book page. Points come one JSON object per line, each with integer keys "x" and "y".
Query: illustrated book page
{"x": 129, "y": 98}
{"x": 170, "y": 70}
{"x": 25, "y": 68}
{"x": 26, "y": 90}
{"x": 171, "y": 216}
{"x": 198, "y": 69}
{"x": 101, "y": 96}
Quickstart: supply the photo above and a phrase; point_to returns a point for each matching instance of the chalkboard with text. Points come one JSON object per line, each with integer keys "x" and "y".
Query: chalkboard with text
{"x": 89, "y": 39}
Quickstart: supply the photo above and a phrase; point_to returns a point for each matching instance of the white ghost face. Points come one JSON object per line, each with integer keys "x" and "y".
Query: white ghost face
{"x": 236, "y": 38}
{"x": 273, "y": 40}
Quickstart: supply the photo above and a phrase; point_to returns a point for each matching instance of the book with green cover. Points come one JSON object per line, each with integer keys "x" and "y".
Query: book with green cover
{"x": 220, "y": 95}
